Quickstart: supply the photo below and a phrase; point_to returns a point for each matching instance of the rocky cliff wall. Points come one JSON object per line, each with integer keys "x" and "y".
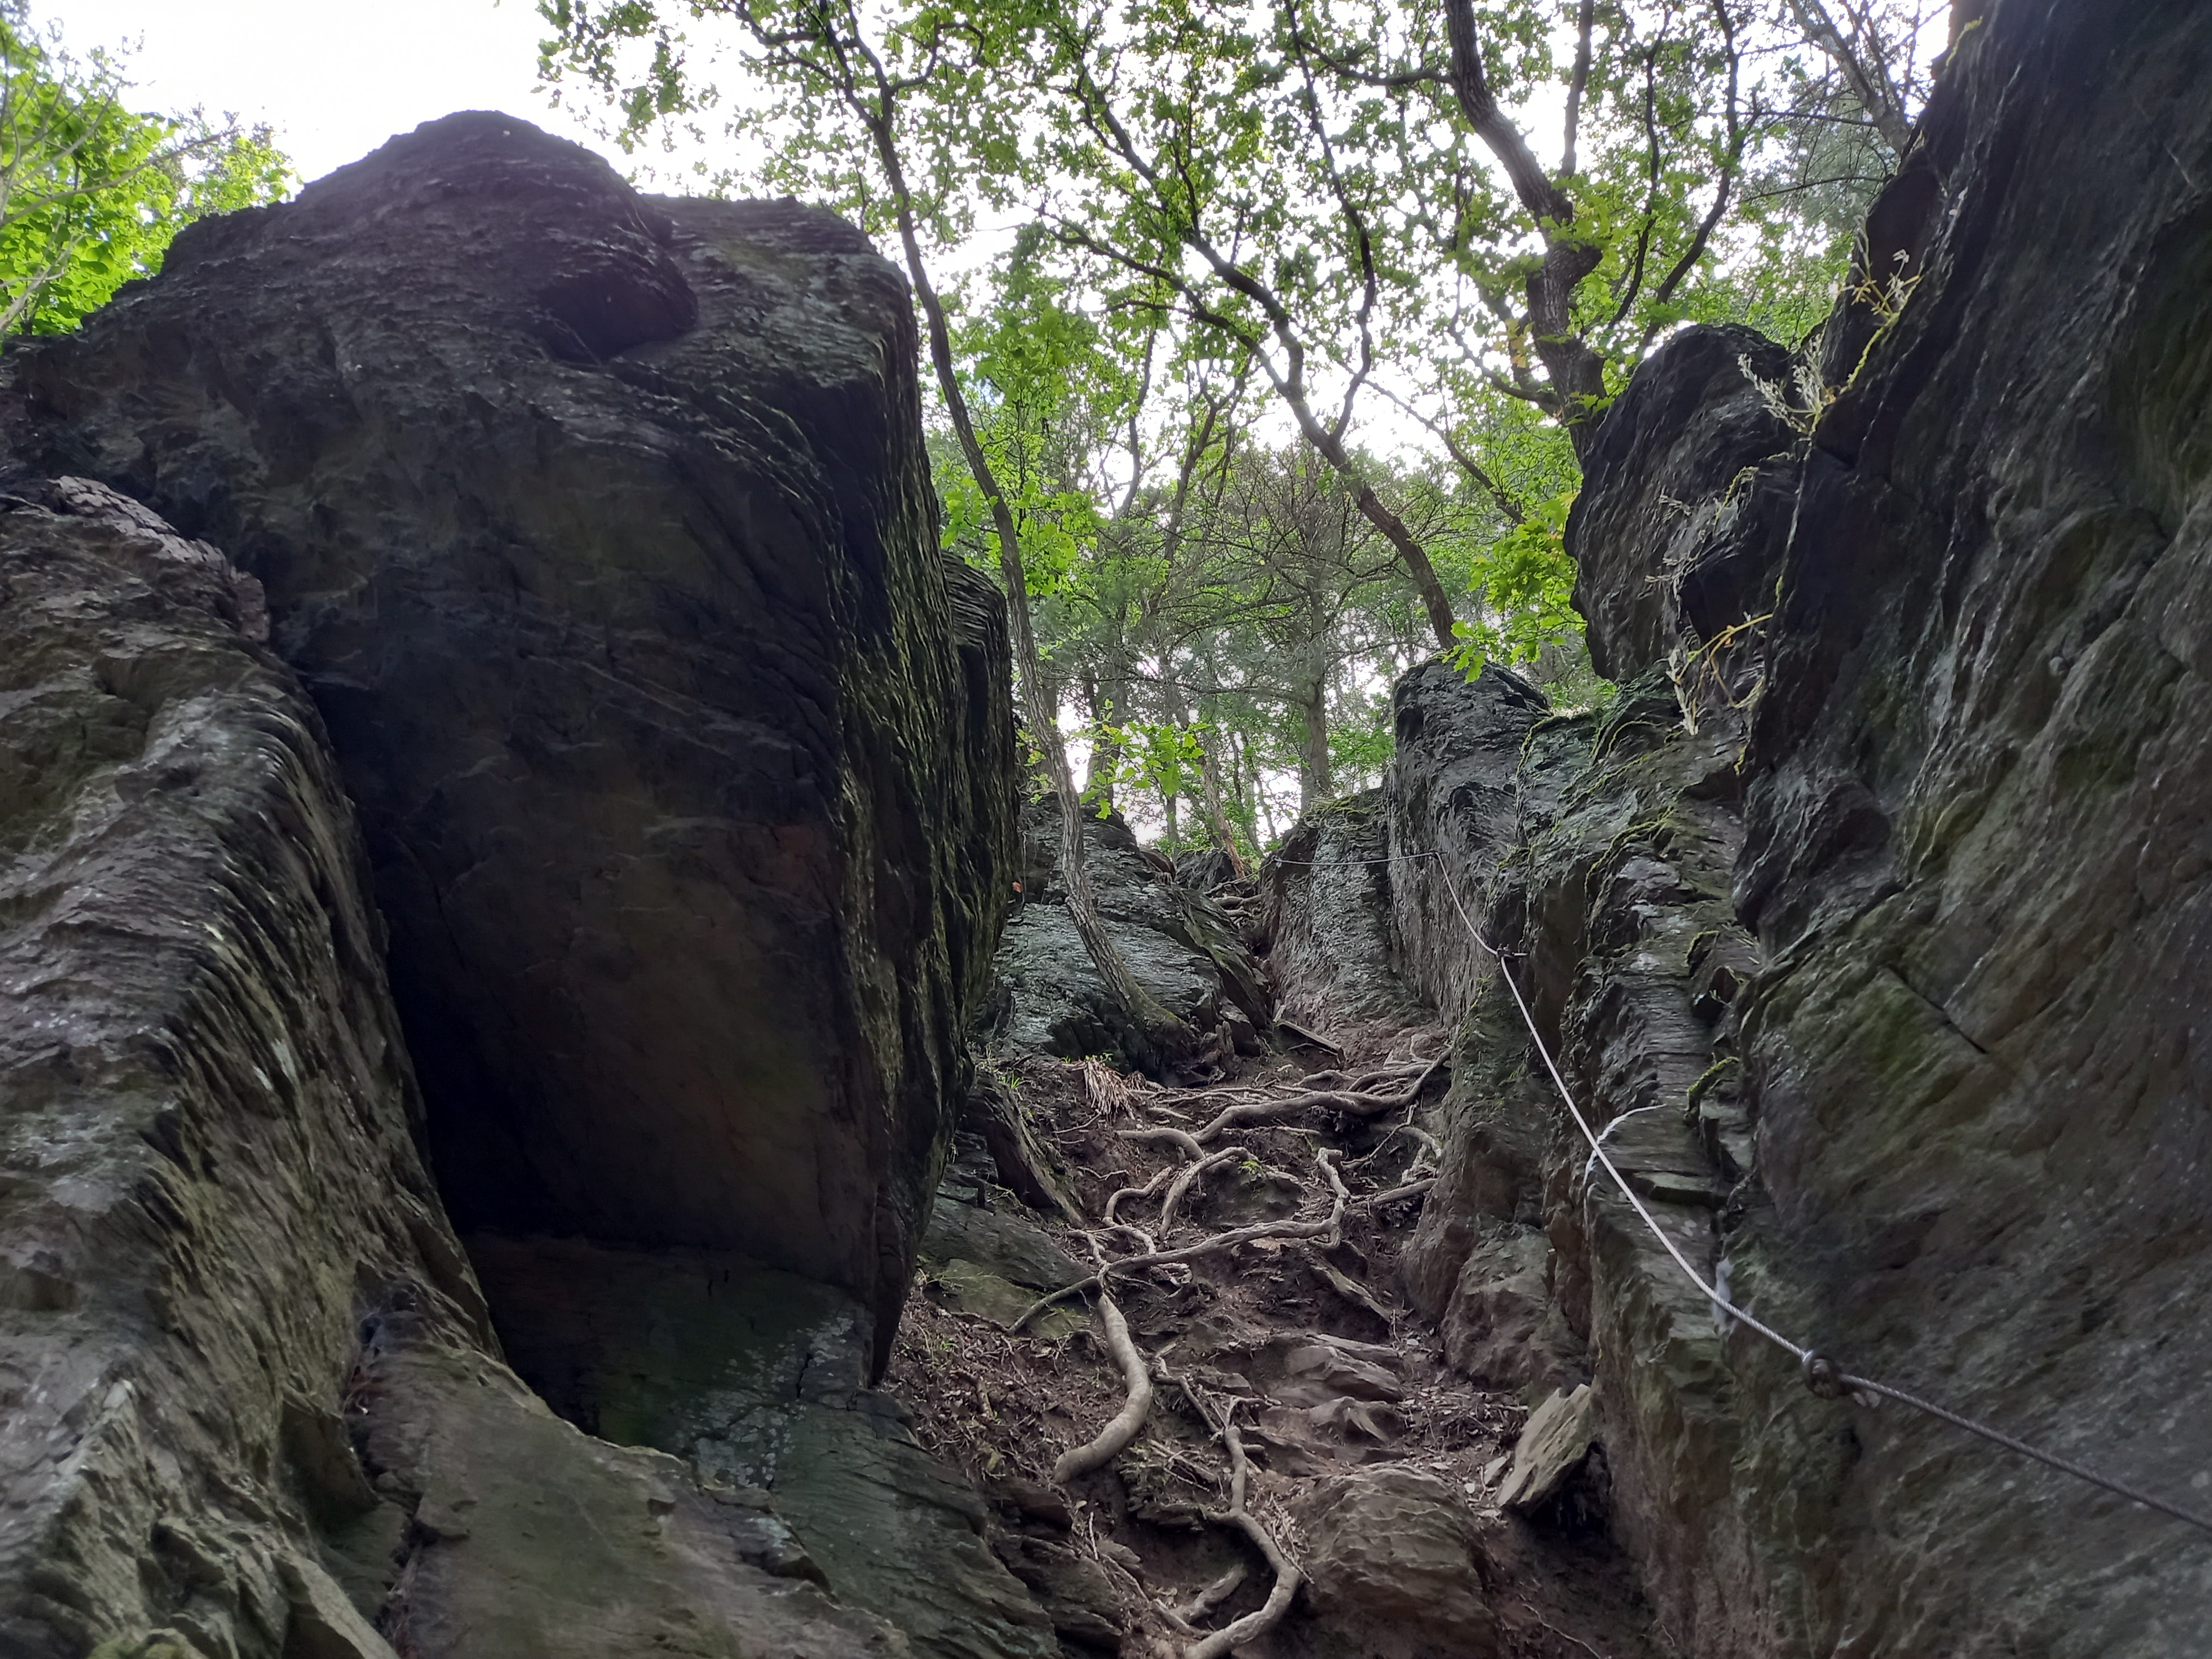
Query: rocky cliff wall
{"x": 253, "y": 1403}
{"x": 207, "y": 1099}
{"x": 599, "y": 529}
{"x": 1867, "y": 920}
{"x": 592, "y": 547}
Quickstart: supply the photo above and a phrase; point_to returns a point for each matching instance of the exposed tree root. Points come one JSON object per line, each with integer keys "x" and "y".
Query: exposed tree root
{"x": 1114, "y": 1202}
{"x": 1187, "y": 1177}
{"x": 1211, "y": 1596}
{"x": 1287, "y": 1576}
{"x": 1250, "y": 1316}
{"x": 1352, "y": 1102}
{"x": 1110, "y": 1441}
{"x": 1229, "y": 1240}
{"x": 1181, "y": 1138}
{"x": 1411, "y": 1189}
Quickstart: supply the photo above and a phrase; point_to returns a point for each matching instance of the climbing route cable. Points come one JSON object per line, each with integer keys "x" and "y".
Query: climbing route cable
{"x": 1822, "y": 1374}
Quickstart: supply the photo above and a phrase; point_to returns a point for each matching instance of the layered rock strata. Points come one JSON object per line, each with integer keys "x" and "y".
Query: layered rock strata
{"x": 596, "y": 535}
{"x": 599, "y": 529}
{"x": 1866, "y": 922}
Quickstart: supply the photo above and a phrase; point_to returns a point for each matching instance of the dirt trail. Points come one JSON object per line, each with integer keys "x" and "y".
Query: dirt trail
{"x": 1373, "y": 1469}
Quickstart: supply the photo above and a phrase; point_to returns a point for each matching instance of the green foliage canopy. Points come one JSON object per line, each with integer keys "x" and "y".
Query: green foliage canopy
{"x": 92, "y": 192}
{"x": 1298, "y": 333}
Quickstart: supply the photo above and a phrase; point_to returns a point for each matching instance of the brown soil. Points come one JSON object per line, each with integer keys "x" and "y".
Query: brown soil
{"x": 1228, "y": 1328}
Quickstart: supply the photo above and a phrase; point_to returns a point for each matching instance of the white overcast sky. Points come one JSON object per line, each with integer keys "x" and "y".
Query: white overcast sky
{"x": 335, "y": 77}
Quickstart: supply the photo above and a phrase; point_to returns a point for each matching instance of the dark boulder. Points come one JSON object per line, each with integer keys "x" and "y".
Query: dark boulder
{"x": 1979, "y": 803}
{"x": 600, "y": 530}
{"x": 1326, "y": 899}
{"x": 1181, "y": 945}
{"x": 1686, "y": 495}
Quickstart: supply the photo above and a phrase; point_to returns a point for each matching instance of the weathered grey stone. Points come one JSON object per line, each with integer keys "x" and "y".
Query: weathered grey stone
{"x": 1455, "y": 809}
{"x": 324, "y": 1623}
{"x": 1078, "y": 1592}
{"x": 1553, "y": 1442}
{"x": 601, "y": 530}
{"x": 756, "y": 1378}
{"x": 207, "y": 1104}
{"x": 224, "y": 1256}
{"x": 1937, "y": 1120}
{"x": 1180, "y": 944}
{"x": 1008, "y": 1245}
{"x": 1690, "y": 484}
{"x": 1313, "y": 1373}
{"x": 532, "y": 1539}
{"x": 1326, "y": 899}
{"x": 1500, "y": 1326}
{"x": 1394, "y": 1568}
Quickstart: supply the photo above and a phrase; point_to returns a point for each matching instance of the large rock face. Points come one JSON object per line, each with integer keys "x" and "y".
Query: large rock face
{"x": 249, "y": 1382}
{"x": 1867, "y": 921}
{"x": 600, "y": 531}
{"x": 600, "y": 536}
{"x": 1980, "y": 795}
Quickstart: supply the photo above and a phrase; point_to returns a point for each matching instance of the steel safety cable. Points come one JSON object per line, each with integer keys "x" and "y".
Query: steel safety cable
{"x": 1822, "y": 1375}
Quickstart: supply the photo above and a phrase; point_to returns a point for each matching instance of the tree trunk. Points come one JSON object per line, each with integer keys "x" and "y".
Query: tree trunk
{"x": 1575, "y": 370}
{"x": 1098, "y": 770}
{"x": 1217, "y": 817}
{"x": 1315, "y": 783}
{"x": 1169, "y": 1037}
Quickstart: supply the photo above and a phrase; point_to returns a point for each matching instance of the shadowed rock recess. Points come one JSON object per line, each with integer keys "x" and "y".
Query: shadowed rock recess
{"x": 1870, "y": 918}
{"x": 603, "y": 591}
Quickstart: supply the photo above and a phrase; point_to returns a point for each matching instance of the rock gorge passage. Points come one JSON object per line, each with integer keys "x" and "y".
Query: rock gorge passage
{"x": 550, "y": 1099}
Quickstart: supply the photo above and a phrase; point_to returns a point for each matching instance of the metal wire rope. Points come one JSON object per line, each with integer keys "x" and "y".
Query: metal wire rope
{"x": 1822, "y": 1375}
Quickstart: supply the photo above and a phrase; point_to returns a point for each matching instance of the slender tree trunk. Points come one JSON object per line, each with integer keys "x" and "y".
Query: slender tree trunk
{"x": 1315, "y": 783}
{"x": 1170, "y": 1038}
{"x": 1217, "y": 817}
{"x": 1098, "y": 770}
{"x": 1109, "y": 709}
{"x": 1574, "y": 367}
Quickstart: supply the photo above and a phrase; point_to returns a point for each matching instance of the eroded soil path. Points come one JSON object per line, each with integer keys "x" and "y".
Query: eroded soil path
{"x": 1372, "y": 1470}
